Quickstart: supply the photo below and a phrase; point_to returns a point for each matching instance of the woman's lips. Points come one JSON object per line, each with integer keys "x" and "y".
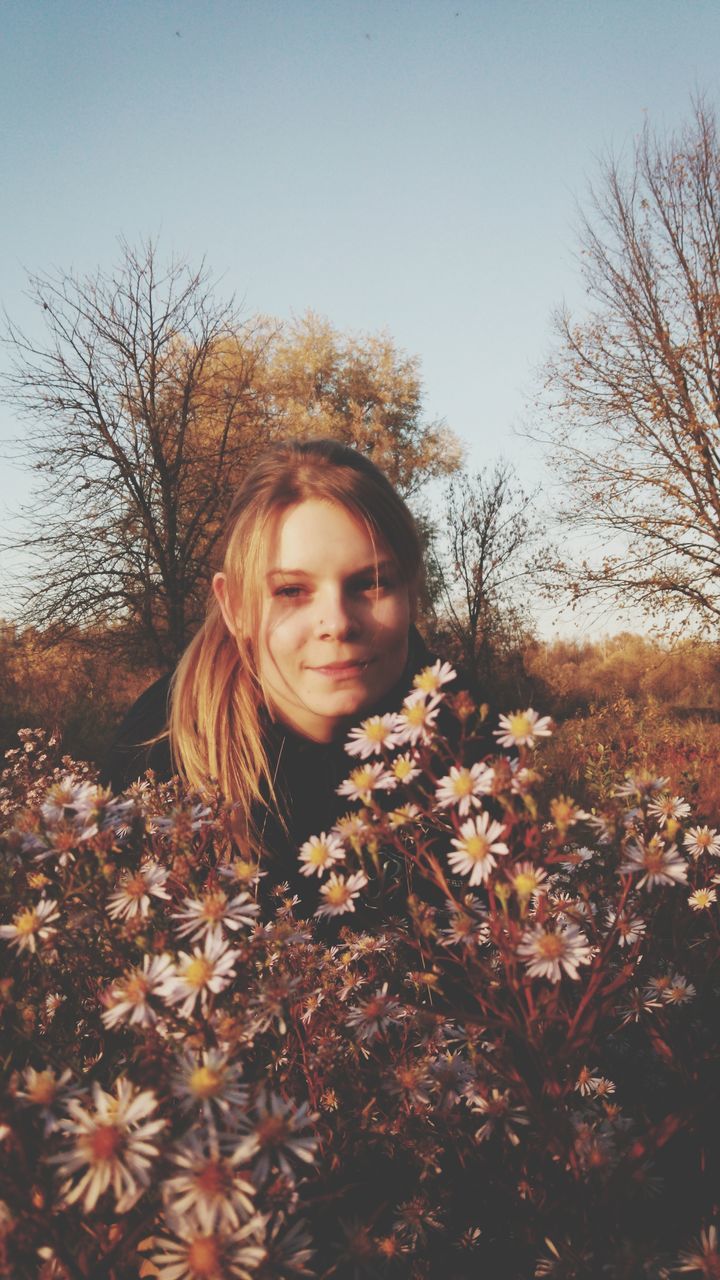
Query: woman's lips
{"x": 343, "y": 670}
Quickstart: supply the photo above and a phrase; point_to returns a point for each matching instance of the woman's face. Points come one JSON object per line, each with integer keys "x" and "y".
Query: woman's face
{"x": 334, "y": 622}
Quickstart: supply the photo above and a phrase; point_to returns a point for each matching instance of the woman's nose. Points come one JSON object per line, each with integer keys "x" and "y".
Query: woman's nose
{"x": 334, "y": 616}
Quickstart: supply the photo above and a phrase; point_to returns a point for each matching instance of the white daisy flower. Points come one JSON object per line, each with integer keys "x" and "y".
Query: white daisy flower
{"x": 405, "y": 767}
{"x": 371, "y": 1018}
{"x": 204, "y": 917}
{"x": 128, "y": 997}
{"x": 132, "y": 897}
{"x": 678, "y": 990}
{"x": 113, "y": 1146}
{"x": 587, "y": 1081}
{"x": 660, "y": 865}
{"x": 196, "y": 1254}
{"x": 366, "y": 779}
{"x": 602, "y": 1087}
{"x": 705, "y": 1260}
{"x": 528, "y": 880}
{"x": 70, "y": 798}
{"x": 416, "y": 721}
{"x": 547, "y": 952}
{"x": 500, "y": 1113}
{"x": 31, "y": 925}
{"x": 340, "y": 894}
{"x": 465, "y": 928}
{"x": 374, "y": 735}
{"x": 472, "y": 854}
{"x": 463, "y": 787}
{"x": 47, "y": 1091}
{"x": 320, "y": 852}
{"x": 244, "y": 871}
{"x": 640, "y": 785}
{"x": 431, "y": 679}
{"x": 289, "y": 1249}
{"x": 522, "y": 728}
{"x": 208, "y": 1081}
{"x": 208, "y": 1189}
{"x": 522, "y": 779}
{"x": 669, "y": 808}
{"x": 352, "y": 828}
{"x": 630, "y": 929}
{"x": 278, "y": 1135}
{"x": 701, "y": 899}
{"x": 204, "y": 973}
{"x": 183, "y": 820}
{"x": 404, "y": 816}
{"x": 699, "y": 840}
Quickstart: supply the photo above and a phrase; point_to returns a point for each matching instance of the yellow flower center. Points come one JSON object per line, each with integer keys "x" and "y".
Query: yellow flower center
{"x": 198, "y": 972}
{"x": 525, "y": 884}
{"x": 563, "y": 811}
{"x": 415, "y": 713}
{"x": 244, "y": 871}
{"x": 462, "y": 783}
{"x": 401, "y": 769}
{"x": 476, "y": 848}
{"x": 520, "y": 724}
{"x": 36, "y": 880}
{"x": 337, "y": 894}
{"x": 399, "y": 817}
{"x": 551, "y": 946}
{"x": 214, "y": 905}
{"x": 135, "y": 988}
{"x": 205, "y": 1082}
{"x": 319, "y": 854}
{"x": 43, "y": 1091}
{"x": 375, "y": 730}
{"x": 27, "y": 922}
{"x": 362, "y": 778}
{"x": 702, "y": 898}
{"x": 204, "y": 1259}
{"x": 426, "y": 680}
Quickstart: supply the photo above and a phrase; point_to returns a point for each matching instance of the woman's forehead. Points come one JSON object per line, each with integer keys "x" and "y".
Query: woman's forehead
{"x": 320, "y": 534}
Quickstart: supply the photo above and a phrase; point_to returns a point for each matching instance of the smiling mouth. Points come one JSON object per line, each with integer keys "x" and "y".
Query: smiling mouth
{"x": 351, "y": 667}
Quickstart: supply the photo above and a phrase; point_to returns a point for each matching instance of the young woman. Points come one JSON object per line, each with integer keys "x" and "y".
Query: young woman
{"x": 308, "y": 631}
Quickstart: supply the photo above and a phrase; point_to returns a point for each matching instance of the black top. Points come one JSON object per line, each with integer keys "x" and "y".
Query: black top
{"x": 307, "y": 773}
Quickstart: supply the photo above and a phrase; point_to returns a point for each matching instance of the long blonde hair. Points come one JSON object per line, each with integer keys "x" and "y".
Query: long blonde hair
{"x": 215, "y": 727}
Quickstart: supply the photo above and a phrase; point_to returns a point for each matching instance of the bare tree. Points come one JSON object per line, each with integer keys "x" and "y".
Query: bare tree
{"x": 145, "y": 403}
{"x": 635, "y": 387}
{"x": 142, "y": 410}
{"x": 481, "y": 558}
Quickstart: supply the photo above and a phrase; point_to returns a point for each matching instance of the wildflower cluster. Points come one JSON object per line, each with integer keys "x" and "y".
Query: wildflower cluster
{"x": 491, "y": 1049}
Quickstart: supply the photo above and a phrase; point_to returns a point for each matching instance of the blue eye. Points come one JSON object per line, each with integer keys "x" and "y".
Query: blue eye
{"x": 291, "y": 592}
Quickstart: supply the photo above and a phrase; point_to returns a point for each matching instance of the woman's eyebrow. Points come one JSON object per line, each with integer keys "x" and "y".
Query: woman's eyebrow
{"x": 287, "y": 573}
{"x": 379, "y": 566}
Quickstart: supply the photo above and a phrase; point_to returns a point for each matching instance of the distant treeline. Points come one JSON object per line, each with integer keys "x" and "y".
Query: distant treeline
{"x": 81, "y": 685}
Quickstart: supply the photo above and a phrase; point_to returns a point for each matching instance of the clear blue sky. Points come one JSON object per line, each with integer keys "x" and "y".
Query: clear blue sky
{"x": 410, "y": 165}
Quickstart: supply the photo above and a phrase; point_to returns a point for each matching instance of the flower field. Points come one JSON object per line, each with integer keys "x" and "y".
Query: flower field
{"x": 489, "y": 1048}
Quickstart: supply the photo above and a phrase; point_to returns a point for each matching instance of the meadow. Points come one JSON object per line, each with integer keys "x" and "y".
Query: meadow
{"x": 491, "y": 1049}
